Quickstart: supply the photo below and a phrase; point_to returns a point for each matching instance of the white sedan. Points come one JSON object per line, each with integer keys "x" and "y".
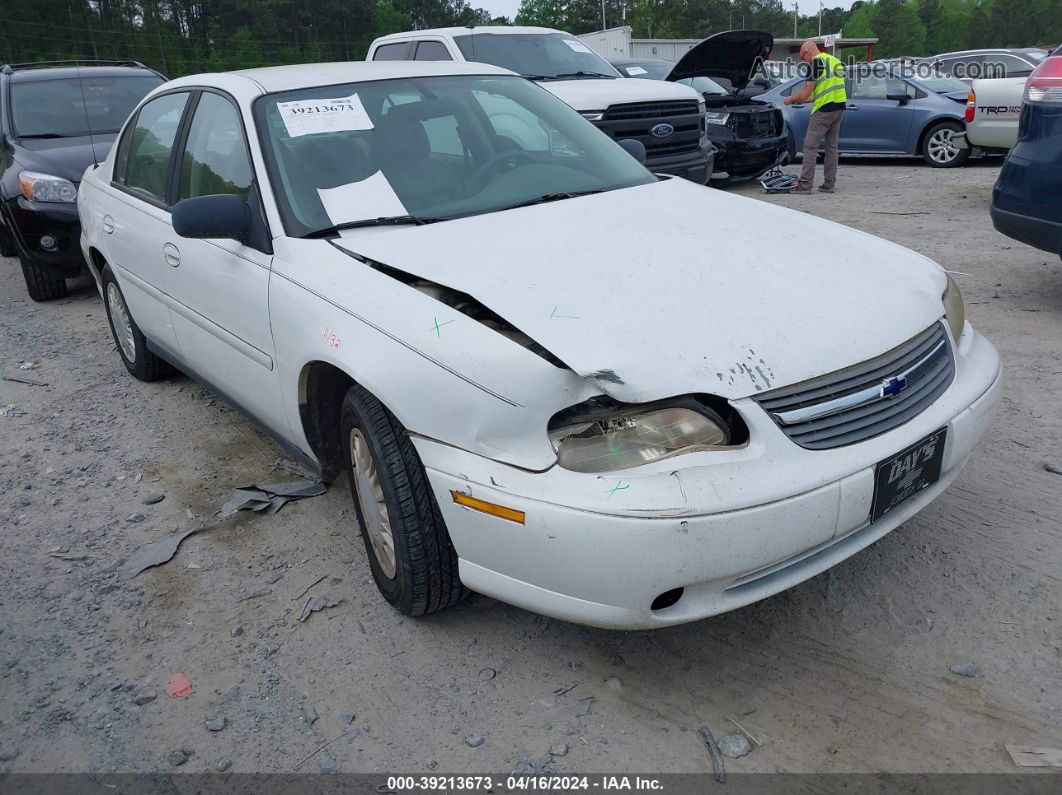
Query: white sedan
{"x": 550, "y": 376}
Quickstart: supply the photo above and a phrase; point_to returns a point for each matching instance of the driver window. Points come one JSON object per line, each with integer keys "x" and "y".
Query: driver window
{"x": 215, "y": 156}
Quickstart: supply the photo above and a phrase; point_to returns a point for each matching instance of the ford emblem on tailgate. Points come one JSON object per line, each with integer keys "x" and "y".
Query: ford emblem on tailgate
{"x": 662, "y": 130}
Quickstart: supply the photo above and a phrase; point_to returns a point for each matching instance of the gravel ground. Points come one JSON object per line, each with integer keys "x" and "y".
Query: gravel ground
{"x": 847, "y": 672}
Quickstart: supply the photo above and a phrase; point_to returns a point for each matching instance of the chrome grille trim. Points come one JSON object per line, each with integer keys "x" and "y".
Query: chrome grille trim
{"x": 854, "y": 404}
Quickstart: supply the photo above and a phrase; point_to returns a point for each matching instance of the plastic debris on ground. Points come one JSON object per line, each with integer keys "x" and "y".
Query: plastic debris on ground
{"x": 271, "y": 497}
{"x": 153, "y": 554}
{"x": 179, "y": 686}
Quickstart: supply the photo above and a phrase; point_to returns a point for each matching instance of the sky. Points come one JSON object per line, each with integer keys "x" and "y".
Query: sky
{"x": 508, "y": 7}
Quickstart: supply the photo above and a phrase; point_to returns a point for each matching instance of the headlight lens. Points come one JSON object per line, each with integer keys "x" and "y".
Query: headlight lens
{"x": 592, "y": 115}
{"x": 954, "y": 310}
{"x": 46, "y": 187}
{"x": 629, "y": 437}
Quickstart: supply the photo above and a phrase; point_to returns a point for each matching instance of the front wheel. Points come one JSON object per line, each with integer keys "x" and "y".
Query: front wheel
{"x": 40, "y": 283}
{"x": 939, "y": 150}
{"x": 411, "y": 557}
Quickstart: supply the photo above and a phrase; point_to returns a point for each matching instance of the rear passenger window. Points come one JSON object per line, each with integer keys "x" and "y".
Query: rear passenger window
{"x": 215, "y": 156}
{"x": 432, "y": 51}
{"x": 144, "y": 159}
{"x": 392, "y": 52}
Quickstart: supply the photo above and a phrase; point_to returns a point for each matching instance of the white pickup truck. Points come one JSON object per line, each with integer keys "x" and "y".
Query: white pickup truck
{"x": 992, "y": 111}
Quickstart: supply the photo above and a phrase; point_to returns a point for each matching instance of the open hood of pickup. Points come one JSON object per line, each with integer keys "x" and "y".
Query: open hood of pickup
{"x": 731, "y": 55}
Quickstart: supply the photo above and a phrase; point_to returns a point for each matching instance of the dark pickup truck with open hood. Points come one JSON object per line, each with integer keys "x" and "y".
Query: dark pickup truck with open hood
{"x": 749, "y": 134}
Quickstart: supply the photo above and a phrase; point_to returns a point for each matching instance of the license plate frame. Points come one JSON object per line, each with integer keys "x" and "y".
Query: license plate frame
{"x": 907, "y": 473}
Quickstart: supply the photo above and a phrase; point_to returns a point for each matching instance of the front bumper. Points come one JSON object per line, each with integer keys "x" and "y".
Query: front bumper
{"x": 697, "y": 168}
{"x": 730, "y": 528}
{"x": 748, "y": 159}
{"x": 32, "y": 221}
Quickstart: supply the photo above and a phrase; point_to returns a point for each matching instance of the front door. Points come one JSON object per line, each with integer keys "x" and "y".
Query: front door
{"x": 218, "y": 289}
{"x": 873, "y": 122}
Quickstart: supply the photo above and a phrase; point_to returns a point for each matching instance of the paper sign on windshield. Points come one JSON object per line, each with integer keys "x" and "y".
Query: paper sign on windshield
{"x": 635, "y": 70}
{"x": 362, "y": 201}
{"x": 578, "y": 46}
{"x": 309, "y": 116}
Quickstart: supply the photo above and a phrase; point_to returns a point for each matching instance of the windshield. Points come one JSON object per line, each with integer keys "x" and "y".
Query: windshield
{"x": 431, "y": 148}
{"x": 536, "y": 55}
{"x": 1036, "y": 55}
{"x": 647, "y": 70}
{"x": 704, "y": 85}
{"x": 944, "y": 85}
{"x": 70, "y": 107}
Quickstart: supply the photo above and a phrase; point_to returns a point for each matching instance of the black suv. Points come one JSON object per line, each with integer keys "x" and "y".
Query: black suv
{"x": 56, "y": 120}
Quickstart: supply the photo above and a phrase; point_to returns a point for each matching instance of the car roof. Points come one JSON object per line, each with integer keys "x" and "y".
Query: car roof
{"x": 287, "y": 78}
{"x": 33, "y": 74}
{"x": 1019, "y": 50}
{"x": 507, "y": 30}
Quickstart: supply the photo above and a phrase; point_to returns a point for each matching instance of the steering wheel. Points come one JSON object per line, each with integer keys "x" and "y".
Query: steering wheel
{"x": 508, "y": 154}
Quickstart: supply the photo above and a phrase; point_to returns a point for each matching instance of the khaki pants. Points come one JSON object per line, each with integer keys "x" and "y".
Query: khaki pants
{"x": 823, "y": 124}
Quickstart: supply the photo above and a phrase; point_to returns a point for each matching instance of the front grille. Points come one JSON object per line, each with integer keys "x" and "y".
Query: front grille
{"x": 669, "y": 149}
{"x": 650, "y": 110}
{"x": 636, "y": 120}
{"x": 765, "y": 123}
{"x": 930, "y": 349}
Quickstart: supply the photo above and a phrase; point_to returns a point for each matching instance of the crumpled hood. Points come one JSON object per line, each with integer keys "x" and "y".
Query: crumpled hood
{"x": 676, "y": 288}
{"x": 64, "y": 157}
{"x": 600, "y": 94}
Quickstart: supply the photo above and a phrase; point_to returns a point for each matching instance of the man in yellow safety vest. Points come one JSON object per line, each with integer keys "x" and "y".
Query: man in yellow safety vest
{"x": 825, "y": 87}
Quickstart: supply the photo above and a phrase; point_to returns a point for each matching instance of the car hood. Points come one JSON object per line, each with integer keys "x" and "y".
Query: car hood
{"x": 600, "y": 94}
{"x": 673, "y": 288}
{"x": 731, "y": 55}
{"x": 63, "y": 157}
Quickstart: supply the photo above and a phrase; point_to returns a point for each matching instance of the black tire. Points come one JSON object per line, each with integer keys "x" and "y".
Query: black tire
{"x": 790, "y": 147}
{"x": 942, "y": 158}
{"x": 143, "y": 364}
{"x": 426, "y": 577}
{"x": 40, "y": 284}
{"x": 7, "y": 242}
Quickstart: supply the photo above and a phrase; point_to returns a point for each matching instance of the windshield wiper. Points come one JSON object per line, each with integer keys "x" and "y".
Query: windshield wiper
{"x": 393, "y": 220}
{"x": 553, "y": 197}
{"x": 566, "y": 75}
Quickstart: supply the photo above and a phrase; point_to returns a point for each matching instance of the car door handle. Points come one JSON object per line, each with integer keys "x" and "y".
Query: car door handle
{"x": 108, "y": 225}
{"x": 171, "y": 254}
{"x": 851, "y": 107}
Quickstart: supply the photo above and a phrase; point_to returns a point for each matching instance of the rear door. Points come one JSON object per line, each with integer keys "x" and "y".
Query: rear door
{"x": 136, "y": 213}
{"x": 219, "y": 289}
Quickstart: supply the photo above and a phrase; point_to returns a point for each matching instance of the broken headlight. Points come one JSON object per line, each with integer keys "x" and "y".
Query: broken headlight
{"x": 954, "y": 310}
{"x": 602, "y": 437}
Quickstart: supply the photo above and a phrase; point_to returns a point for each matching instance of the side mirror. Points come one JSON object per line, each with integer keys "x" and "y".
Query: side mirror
{"x": 635, "y": 149}
{"x": 223, "y": 216}
{"x": 903, "y": 99}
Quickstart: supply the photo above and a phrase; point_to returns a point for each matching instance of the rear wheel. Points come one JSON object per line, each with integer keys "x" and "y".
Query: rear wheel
{"x": 40, "y": 284}
{"x": 132, "y": 345}
{"x": 411, "y": 557}
{"x": 939, "y": 150}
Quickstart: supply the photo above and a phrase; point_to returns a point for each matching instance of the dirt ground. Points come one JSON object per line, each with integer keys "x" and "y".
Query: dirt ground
{"x": 847, "y": 672}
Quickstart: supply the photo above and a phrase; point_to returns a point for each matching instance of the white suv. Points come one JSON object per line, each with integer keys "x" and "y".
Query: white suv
{"x": 668, "y": 119}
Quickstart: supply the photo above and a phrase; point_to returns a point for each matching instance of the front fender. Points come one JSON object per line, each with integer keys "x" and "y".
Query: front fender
{"x": 443, "y": 374}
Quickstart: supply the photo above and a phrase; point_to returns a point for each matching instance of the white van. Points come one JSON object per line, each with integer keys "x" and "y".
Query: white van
{"x": 668, "y": 119}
